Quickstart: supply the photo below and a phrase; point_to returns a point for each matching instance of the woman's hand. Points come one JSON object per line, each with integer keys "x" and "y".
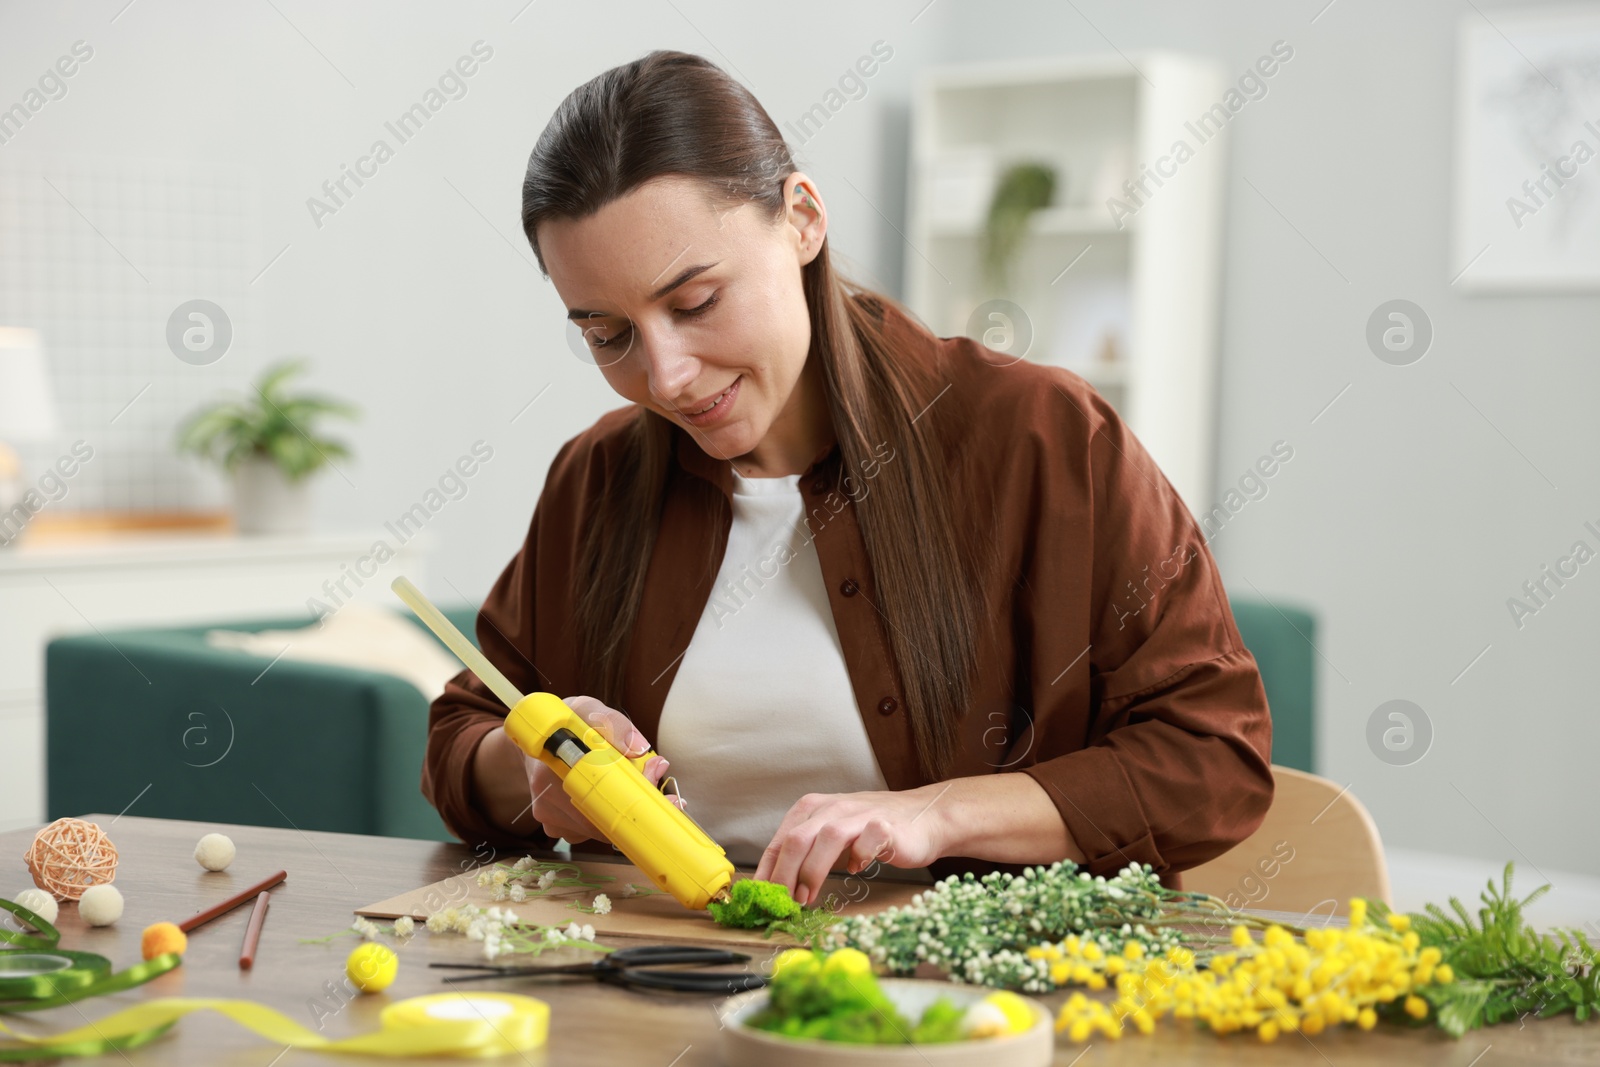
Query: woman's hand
{"x": 552, "y": 809}
{"x": 823, "y": 829}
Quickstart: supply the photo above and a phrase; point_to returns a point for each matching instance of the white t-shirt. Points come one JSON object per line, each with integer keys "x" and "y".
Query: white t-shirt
{"x": 761, "y": 710}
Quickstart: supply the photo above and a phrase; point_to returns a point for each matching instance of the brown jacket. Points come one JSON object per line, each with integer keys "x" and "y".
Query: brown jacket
{"x": 1113, "y": 674}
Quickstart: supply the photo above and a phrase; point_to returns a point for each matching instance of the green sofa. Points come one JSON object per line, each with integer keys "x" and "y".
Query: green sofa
{"x": 305, "y": 745}
{"x": 160, "y": 723}
{"x": 1280, "y": 637}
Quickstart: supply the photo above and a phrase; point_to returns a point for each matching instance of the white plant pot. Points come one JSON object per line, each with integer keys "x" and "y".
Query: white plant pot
{"x": 266, "y": 502}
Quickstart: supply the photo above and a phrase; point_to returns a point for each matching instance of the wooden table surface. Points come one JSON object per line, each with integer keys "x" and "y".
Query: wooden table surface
{"x": 331, "y": 874}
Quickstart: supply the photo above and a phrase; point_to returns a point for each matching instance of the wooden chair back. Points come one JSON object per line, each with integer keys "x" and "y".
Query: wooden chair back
{"x": 1316, "y": 848}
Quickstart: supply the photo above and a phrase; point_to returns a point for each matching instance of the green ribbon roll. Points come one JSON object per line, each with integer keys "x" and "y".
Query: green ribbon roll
{"x": 36, "y": 974}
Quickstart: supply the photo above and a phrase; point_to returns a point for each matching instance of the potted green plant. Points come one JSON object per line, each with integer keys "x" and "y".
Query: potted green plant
{"x": 271, "y": 444}
{"x": 1023, "y": 189}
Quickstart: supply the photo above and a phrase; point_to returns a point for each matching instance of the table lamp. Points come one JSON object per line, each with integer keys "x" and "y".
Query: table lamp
{"x": 27, "y": 413}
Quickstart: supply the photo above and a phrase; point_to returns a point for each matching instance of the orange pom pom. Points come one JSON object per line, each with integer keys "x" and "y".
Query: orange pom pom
{"x": 161, "y": 938}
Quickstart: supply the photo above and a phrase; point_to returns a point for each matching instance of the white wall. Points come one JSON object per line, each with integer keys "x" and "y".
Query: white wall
{"x": 1405, "y": 519}
{"x": 429, "y": 314}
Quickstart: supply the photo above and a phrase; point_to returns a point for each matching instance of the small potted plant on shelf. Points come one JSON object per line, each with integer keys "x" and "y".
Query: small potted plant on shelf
{"x": 1023, "y": 189}
{"x": 271, "y": 444}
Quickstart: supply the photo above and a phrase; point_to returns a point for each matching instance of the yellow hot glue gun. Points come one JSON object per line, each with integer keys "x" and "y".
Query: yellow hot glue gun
{"x": 607, "y": 787}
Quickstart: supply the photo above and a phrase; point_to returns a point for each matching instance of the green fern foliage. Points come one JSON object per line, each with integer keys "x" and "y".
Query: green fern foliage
{"x": 1504, "y": 968}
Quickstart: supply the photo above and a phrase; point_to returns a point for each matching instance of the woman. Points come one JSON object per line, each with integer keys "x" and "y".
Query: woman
{"x": 873, "y": 594}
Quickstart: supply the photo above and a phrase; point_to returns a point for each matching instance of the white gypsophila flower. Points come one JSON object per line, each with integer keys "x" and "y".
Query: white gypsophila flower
{"x": 602, "y": 904}
{"x": 630, "y": 890}
{"x": 547, "y": 879}
{"x": 405, "y": 926}
{"x": 552, "y": 934}
{"x": 587, "y": 932}
{"x": 499, "y": 877}
{"x": 518, "y": 894}
{"x": 500, "y": 892}
{"x": 484, "y": 875}
{"x": 523, "y": 864}
{"x": 573, "y": 932}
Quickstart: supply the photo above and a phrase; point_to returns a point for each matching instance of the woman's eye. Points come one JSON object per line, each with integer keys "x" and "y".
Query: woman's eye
{"x": 603, "y": 342}
{"x": 702, "y": 309}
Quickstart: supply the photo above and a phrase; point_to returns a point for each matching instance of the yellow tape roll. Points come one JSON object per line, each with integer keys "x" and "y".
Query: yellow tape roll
{"x": 524, "y": 1021}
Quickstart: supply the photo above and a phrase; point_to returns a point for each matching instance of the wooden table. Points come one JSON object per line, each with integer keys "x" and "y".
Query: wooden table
{"x": 331, "y": 874}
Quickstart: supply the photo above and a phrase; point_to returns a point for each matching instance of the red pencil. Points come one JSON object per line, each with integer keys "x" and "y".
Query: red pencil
{"x": 232, "y": 902}
{"x": 252, "y": 933}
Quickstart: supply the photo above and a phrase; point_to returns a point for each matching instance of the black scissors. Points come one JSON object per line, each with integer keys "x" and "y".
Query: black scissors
{"x": 643, "y": 966}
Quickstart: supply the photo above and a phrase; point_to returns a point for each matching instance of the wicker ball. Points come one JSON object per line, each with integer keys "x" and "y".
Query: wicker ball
{"x": 69, "y": 856}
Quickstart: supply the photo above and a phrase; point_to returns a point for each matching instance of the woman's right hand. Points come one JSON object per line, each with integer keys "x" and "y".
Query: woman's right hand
{"x": 551, "y": 807}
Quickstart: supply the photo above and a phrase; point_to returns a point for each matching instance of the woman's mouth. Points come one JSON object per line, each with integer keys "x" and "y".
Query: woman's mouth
{"x": 715, "y": 409}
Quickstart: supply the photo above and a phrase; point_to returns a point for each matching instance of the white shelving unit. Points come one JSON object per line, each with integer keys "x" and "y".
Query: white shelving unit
{"x": 1140, "y": 288}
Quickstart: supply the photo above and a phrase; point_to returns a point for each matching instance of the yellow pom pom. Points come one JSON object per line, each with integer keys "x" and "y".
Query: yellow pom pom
{"x": 1268, "y": 1031}
{"x": 1019, "y": 1016}
{"x": 847, "y": 961}
{"x": 1358, "y": 913}
{"x": 1367, "y": 1019}
{"x": 1443, "y": 974}
{"x": 1241, "y": 937}
{"x": 794, "y": 962}
{"x": 1416, "y": 1007}
{"x": 1399, "y": 921}
{"x": 372, "y": 967}
{"x": 161, "y": 938}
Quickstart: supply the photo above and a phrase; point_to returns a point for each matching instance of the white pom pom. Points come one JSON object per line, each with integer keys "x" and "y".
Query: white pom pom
{"x": 39, "y": 902}
{"x": 215, "y": 852}
{"x": 100, "y": 905}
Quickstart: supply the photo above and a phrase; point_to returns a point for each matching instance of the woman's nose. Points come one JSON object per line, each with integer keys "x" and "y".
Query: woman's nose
{"x": 671, "y": 368}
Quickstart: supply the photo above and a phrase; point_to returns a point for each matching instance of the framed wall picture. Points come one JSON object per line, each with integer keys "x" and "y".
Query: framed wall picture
{"x": 1527, "y": 208}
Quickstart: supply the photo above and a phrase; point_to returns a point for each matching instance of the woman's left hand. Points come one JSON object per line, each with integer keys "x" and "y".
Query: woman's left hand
{"x": 825, "y": 830}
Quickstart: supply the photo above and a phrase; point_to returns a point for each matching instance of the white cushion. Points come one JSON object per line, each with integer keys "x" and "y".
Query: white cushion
{"x": 357, "y": 635}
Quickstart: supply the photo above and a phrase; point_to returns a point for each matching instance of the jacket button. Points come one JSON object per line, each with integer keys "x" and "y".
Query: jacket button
{"x": 849, "y": 587}
{"x": 887, "y": 705}
{"x": 819, "y": 485}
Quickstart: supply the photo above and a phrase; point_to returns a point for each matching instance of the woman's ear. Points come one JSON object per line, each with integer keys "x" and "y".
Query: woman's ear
{"x": 807, "y": 215}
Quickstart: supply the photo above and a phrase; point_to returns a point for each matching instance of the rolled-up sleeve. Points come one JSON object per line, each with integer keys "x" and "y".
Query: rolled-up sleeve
{"x": 1161, "y": 724}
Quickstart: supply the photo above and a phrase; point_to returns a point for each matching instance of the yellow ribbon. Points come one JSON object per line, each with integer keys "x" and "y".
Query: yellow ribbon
{"x": 440, "y": 1024}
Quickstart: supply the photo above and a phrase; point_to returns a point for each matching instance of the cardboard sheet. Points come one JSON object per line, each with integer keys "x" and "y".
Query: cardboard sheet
{"x": 656, "y": 916}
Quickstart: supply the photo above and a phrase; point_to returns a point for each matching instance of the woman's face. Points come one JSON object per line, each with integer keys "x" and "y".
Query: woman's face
{"x": 695, "y": 309}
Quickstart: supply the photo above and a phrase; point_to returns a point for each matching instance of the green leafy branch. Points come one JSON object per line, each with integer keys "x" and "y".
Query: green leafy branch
{"x": 1504, "y": 967}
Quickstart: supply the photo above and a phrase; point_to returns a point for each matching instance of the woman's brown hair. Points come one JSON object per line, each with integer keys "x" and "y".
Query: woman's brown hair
{"x": 673, "y": 113}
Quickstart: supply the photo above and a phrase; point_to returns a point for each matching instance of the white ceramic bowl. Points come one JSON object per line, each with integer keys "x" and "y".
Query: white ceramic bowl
{"x": 744, "y": 1046}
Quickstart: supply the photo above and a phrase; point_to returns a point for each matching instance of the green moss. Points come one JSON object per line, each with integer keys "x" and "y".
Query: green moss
{"x": 754, "y": 904}
{"x": 840, "y": 1000}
